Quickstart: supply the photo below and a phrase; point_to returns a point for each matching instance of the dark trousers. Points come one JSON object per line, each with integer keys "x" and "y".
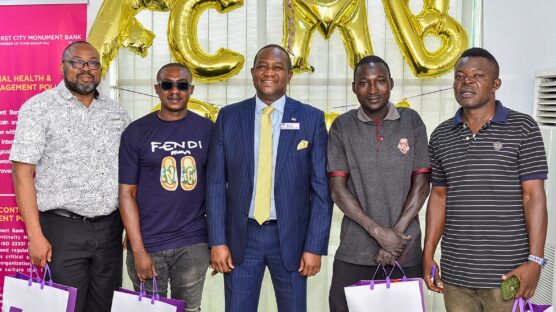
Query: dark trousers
{"x": 345, "y": 274}
{"x": 243, "y": 284}
{"x": 87, "y": 256}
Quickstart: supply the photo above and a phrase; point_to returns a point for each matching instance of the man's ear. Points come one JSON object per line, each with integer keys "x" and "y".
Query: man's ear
{"x": 496, "y": 84}
{"x": 290, "y": 75}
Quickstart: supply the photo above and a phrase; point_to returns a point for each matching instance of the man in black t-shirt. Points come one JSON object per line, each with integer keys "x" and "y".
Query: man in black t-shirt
{"x": 162, "y": 192}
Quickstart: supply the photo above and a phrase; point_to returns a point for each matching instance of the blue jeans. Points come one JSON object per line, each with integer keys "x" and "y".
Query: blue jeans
{"x": 185, "y": 268}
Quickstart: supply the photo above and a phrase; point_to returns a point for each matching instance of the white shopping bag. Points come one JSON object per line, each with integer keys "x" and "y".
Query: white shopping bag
{"x": 386, "y": 295}
{"x": 130, "y": 301}
{"x": 27, "y": 294}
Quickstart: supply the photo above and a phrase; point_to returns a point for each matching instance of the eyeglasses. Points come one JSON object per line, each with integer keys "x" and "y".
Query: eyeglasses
{"x": 79, "y": 64}
{"x": 167, "y": 85}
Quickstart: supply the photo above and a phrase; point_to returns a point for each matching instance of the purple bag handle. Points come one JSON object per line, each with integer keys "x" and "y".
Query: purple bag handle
{"x": 155, "y": 295}
{"x": 521, "y": 303}
{"x": 143, "y": 292}
{"x": 35, "y": 271}
{"x": 396, "y": 264}
{"x": 388, "y": 279}
{"x": 46, "y": 270}
{"x": 372, "y": 284}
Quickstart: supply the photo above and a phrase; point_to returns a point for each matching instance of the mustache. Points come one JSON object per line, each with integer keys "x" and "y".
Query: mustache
{"x": 87, "y": 73}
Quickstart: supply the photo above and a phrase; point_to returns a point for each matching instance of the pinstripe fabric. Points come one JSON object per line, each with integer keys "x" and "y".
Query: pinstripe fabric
{"x": 302, "y": 199}
{"x": 244, "y": 282}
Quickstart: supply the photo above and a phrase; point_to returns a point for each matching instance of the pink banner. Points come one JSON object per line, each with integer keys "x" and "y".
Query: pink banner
{"x": 32, "y": 38}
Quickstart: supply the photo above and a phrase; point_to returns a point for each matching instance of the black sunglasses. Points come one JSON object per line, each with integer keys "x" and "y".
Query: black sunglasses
{"x": 167, "y": 85}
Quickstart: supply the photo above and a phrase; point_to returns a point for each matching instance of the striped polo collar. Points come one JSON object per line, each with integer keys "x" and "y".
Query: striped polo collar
{"x": 500, "y": 116}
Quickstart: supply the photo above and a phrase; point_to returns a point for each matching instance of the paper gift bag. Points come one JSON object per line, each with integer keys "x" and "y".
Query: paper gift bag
{"x": 521, "y": 305}
{"x": 130, "y": 301}
{"x": 388, "y": 295}
{"x": 33, "y": 294}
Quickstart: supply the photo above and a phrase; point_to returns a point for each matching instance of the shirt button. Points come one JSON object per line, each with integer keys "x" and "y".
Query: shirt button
{"x": 467, "y": 138}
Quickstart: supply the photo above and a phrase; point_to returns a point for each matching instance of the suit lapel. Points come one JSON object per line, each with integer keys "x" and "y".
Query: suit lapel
{"x": 247, "y": 119}
{"x": 287, "y": 137}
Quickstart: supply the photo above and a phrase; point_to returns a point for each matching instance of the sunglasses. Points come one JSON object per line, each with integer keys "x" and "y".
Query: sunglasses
{"x": 167, "y": 85}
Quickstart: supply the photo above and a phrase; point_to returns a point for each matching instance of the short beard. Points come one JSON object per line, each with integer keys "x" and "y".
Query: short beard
{"x": 83, "y": 89}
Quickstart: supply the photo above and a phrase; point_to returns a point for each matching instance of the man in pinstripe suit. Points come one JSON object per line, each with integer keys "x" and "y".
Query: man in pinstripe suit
{"x": 294, "y": 234}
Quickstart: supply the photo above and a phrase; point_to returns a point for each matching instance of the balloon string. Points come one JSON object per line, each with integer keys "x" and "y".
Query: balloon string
{"x": 122, "y": 89}
{"x": 291, "y": 27}
{"x": 409, "y": 97}
{"x": 405, "y": 98}
{"x": 427, "y": 93}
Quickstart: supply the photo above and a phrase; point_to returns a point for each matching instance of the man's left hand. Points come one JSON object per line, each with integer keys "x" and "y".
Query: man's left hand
{"x": 310, "y": 264}
{"x": 528, "y": 274}
{"x": 384, "y": 257}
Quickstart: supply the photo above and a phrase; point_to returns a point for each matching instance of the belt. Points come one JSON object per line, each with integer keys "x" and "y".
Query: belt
{"x": 68, "y": 214}
{"x": 267, "y": 222}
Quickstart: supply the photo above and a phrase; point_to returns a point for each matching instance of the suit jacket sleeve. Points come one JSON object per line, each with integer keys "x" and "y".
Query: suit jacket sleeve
{"x": 318, "y": 233}
{"x": 216, "y": 186}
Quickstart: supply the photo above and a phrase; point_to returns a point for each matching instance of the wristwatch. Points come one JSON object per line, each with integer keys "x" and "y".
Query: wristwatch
{"x": 540, "y": 261}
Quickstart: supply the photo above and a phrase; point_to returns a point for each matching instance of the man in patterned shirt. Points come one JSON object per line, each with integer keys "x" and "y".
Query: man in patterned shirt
{"x": 488, "y": 202}
{"x": 69, "y": 136}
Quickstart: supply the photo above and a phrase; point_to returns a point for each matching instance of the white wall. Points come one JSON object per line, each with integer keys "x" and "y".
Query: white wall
{"x": 92, "y": 11}
{"x": 520, "y": 34}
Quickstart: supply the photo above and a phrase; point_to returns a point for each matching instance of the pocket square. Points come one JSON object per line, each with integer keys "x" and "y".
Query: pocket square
{"x": 302, "y": 144}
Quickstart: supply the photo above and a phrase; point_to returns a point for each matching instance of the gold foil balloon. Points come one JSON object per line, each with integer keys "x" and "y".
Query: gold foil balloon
{"x": 403, "y": 103}
{"x": 206, "y": 110}
{"x": 410, "y": 31}
{"x": 185, "y": 47}
{"x": 329, "y": 119}
{"x": 116, "y": 26}
{"x": 302, "y": 17}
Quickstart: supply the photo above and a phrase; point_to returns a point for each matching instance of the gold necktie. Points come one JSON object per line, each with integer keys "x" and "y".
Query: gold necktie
{"x": 264, "y": 168}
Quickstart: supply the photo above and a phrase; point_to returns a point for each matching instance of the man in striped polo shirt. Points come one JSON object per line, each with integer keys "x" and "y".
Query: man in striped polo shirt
{"x": 487, "y": 202}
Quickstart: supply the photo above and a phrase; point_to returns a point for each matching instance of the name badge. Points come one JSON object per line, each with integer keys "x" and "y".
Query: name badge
{"x": 290, "y": 126}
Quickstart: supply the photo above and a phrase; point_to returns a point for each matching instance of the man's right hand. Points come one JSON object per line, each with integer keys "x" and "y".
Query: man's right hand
{"x": 391, "y": 241}
{"x": 221, "y": 259}
{"x": 40, "y": 250}
{"x": 144, "y": 265}
{"x": 434, "y": 283}
{"x": 383, "y": 257}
